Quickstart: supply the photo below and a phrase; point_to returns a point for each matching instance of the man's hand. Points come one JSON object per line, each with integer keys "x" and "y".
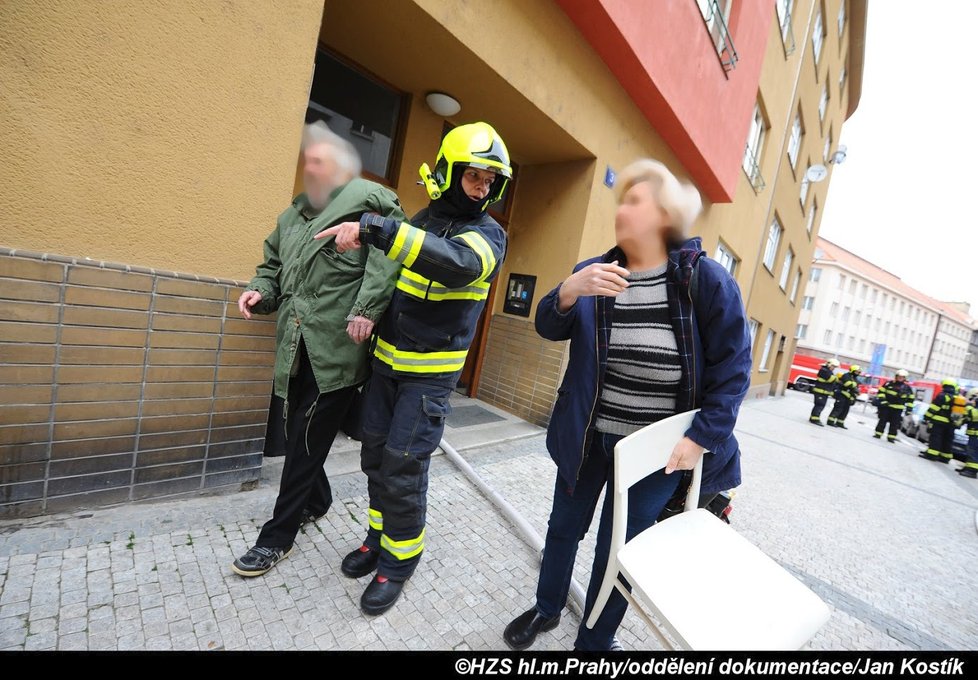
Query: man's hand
{"x": 360, "y": 329}
{"x": 599, "y": 278}
{"x": 248, "y": 299}
{"x": 685, "y": 456}
{"x": 347, "y": 236}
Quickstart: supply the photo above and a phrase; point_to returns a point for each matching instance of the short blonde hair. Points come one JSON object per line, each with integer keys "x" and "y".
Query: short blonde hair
{"x": 680, "y": 200}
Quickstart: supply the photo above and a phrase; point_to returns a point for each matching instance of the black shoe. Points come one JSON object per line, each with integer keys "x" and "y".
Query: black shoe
{"x": 309, "y": 518}
{"x": 944, "y": 460}
{"x": 842, "y": 426}
{"x": 929, "y": 456}
{"x": 380, "y": 595}
{"x": 968, "y": 472}
{"x": 360, "y": 562}
{"x": 892, "y": 441}
{"x": 257, "y": 561}
{"x": 817, "y": 422}
{"x": 877, "y": 436}
{"x": 522, "y": 631}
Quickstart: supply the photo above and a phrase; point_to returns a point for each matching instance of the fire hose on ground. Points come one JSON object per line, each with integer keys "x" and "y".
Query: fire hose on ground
{"x": 523, "y": 527}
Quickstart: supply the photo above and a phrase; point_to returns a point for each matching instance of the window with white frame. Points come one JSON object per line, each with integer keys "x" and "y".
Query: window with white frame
{"x": 842, "y": 79}
{"x": 789, "y": 259}
{"x": 827, "y": 340}
{"x": 794, "y": 141}
{"x": 794, "y": 287}
{"x": 766, "y": 354}
{"x": 838, "y": 340}
{"x": 726, "y": 258}
{"x": 845, "y": 314}
{"x": 828, "y": 147}
{"x": 842, "y": 18}
{"x": 803, "y": 189}
{"x": 773, "y": 241}
{"x": 834, "y": 310}
{"x": 818, "y": 36}
{"x": 815, "y": 275}
{"x": 807, "y": 302}
{"x": 823, "y": 102}
{"x": 801, "y": 331}
{"x": 784, "y": 8}
{"x": 852, "y": 286}
{"x": 810, "y": 223}
{"x": 755, "y": 144}
{"x": 753, "y": 325}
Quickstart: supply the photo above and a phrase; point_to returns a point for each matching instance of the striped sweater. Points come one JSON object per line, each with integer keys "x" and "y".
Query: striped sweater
{"x": 643, "y": 373}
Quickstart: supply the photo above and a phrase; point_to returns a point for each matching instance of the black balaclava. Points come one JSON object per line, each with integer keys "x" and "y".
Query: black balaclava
{"x": 454, "y": 202}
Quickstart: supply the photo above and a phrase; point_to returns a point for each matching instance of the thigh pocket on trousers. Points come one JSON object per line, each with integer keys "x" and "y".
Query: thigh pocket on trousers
{"x": 430, "y": 426}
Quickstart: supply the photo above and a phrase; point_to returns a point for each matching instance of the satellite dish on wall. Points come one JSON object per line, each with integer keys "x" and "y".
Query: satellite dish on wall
{"x": 816, "y": 173}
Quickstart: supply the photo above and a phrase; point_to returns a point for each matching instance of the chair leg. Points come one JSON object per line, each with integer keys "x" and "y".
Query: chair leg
{"x": 610, "y": 579}
{"x": 648, "y": 619}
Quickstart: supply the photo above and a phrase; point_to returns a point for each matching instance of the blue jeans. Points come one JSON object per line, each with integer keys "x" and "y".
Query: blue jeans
{"x": 570, "y": 519}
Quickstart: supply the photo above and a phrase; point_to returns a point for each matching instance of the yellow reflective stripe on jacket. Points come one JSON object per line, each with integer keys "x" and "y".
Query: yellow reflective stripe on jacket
{"x": 419, "y": 362}
{"x": 407, "y": 244}
{"x": 420, "y": 287}
{"x": 403, "y": 550}
{"x": 482, "y": 248}
{"x": 376, "y": 519}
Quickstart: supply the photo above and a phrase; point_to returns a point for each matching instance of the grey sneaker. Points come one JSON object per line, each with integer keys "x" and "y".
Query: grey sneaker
{"x": 257, "y": 561}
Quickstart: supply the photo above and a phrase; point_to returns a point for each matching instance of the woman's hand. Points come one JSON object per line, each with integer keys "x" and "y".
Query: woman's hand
{"x": 685, "y": 456}
{"x": 600, "y": 278}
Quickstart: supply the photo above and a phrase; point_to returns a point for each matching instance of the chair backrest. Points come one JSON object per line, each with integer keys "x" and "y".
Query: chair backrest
{"x": 640, "y": 454}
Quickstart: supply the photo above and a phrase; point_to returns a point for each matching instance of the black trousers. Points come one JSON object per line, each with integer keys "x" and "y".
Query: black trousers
{"x": 820, "y": 401}
{"x": 892, "y": 417}
{"x": 839, "y": 411}
{"x": 312, "y": 422}
{"x": 403, "y": 421}
{"x": 941, "y": 438}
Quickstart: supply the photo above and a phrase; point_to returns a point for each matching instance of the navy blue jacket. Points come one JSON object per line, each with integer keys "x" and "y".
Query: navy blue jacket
{"x": 716, "y": 363}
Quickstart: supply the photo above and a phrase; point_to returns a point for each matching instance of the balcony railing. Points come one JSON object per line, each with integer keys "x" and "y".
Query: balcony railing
{"x": 753, "y": 171}
{"x": 716, "y": 25}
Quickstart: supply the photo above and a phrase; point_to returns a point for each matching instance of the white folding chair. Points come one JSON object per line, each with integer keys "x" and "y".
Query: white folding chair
{"x": 710, "y": 588}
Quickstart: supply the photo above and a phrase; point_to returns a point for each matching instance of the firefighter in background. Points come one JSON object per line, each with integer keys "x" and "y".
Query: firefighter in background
{"x": 958, "y": 408}
{"x": 941, "y": 427}
{"x": 970, "y": 468}
{"x": 824, "y": 388}
{"x": 845, "y": 396}
{"x": 450, "y": 253}
{"x": 895, "y": 398}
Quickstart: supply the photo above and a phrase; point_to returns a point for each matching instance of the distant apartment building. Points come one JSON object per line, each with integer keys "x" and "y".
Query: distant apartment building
{"x": 854, "y": 310}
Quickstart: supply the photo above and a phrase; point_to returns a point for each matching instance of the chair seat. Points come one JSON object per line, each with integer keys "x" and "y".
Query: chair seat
{"x": 714, "y": 590}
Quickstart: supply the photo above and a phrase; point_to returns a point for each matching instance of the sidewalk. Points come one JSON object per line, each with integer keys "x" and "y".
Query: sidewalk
{"x": 887, "y": 539}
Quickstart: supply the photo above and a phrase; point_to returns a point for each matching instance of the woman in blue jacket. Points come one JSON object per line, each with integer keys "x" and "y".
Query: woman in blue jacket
{"x": 656, "y": 329}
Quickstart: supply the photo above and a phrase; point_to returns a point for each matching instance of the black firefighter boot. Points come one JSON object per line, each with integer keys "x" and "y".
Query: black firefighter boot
{"x": 380, "y": 595}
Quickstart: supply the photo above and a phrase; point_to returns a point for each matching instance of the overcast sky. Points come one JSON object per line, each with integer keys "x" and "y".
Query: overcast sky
{"x": 906, "y": 197}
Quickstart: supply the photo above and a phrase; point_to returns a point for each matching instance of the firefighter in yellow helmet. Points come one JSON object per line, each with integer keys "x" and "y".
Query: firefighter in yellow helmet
{"x": 825, "y": 384}
{"x": 970, "y": 468}
{"x": 941, "y": 428}
{"x": 895, "y": 398}
{"x": 845, "y": 396}
{"x": 449, "y": 252}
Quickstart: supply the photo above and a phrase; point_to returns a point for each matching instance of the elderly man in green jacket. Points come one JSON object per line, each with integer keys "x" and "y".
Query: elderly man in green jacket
{"x": 327, "y": 304}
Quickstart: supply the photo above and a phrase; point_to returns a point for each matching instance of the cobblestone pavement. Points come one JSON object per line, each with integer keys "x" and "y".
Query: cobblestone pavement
{"x": 887, "y": 539}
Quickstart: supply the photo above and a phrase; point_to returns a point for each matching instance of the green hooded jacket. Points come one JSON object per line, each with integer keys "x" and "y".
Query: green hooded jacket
{"x": 317, "y": 291}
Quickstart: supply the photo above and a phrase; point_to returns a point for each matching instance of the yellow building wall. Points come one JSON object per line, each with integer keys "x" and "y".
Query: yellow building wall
{"x": 161, "y": 134}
